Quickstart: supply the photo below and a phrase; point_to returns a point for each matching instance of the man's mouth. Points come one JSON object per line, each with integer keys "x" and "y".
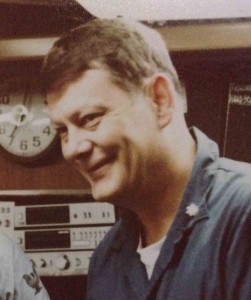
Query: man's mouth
{"x": 97, "y": 166}
{"x": 97, "y": 170}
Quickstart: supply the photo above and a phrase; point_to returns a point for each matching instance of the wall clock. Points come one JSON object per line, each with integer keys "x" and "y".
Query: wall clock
{"x": 26, "y": 134}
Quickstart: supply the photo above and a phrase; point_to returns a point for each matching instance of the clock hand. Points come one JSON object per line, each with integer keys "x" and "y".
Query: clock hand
{"x": 18, "y": 115}
{"x": 12, "y": 135}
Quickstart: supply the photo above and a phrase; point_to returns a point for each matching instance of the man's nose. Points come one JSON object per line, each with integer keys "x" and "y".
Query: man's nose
{"x": 78, "y": 145}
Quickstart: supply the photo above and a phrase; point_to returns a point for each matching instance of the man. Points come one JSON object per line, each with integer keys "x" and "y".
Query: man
{"x": 116, "y": 101}
{"x": 18, "y": 278}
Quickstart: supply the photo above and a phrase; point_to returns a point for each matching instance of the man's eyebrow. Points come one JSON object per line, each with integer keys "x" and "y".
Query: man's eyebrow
{"x": 87, "y": 110}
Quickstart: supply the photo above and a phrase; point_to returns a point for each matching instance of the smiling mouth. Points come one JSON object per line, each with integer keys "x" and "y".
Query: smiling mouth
{"x": 97, "y": 166}
{"x": 96, "y": 170}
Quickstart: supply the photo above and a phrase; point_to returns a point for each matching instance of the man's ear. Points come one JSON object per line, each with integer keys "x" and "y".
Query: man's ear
{"x": 161, "y": 95}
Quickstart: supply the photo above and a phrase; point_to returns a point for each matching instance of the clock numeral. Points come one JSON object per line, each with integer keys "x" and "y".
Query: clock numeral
{"x": 47, "y": 130}
{"x": 2, "y": 129}
{"x": 4, "y": 99}
{"x": 36, "y": 141}
{"x": 24, "y": 145}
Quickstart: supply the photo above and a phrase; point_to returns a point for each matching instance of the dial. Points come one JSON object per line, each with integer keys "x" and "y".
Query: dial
{"x": 26, "y": 134}
{"x": 42, "y": 263}
{"x": 62, "y": 263}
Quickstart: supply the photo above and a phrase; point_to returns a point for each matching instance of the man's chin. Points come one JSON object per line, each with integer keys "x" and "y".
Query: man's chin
{"x": 103, "y": 195}
{"x": 109, "y": 189}
{"x": 100, "y": 195}
{"x": 100, "y": 198}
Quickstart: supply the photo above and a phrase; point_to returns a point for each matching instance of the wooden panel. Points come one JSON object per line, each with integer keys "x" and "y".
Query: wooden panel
{"x": 57, "y": 175}
{"x": 66, "y": 288}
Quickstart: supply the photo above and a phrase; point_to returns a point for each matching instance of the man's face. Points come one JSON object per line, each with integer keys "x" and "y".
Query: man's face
{"x": 107, "y": 134}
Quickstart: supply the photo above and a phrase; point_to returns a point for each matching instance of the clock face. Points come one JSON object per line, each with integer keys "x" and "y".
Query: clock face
{"x": 26, "y": 134}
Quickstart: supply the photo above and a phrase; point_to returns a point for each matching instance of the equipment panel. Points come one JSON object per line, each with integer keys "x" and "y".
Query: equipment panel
{"x": 58, "y": 230}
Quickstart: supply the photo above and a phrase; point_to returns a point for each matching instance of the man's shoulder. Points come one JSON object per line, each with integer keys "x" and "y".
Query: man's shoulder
{"x": 235, "y": 175}
{"x": 235, "y": 167}
{"x": 10, "y": 251}
{"x": 105, "y": 249}
{"x": 109, "y": 241}
{"x": 232, "y": 185}
{"x": 6, "y": 244}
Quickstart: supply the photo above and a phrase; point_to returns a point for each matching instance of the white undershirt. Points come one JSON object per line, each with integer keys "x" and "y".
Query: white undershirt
{"x": 150, "y": 254}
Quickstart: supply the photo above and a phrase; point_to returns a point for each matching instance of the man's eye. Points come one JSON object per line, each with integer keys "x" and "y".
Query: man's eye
{"x": 91, "y": 121}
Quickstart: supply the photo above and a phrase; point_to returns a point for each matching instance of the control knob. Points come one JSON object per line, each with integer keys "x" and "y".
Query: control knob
{"x": 42, "y": 263}
{"x": 62, "y": 262}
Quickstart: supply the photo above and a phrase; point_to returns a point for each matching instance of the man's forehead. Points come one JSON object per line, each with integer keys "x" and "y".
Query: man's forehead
{"x": 87, "y": 81}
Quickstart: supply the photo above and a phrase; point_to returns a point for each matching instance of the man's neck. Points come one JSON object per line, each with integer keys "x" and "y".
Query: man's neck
{"x": 156, "y": 220}
{"x": 160, "y": 209}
